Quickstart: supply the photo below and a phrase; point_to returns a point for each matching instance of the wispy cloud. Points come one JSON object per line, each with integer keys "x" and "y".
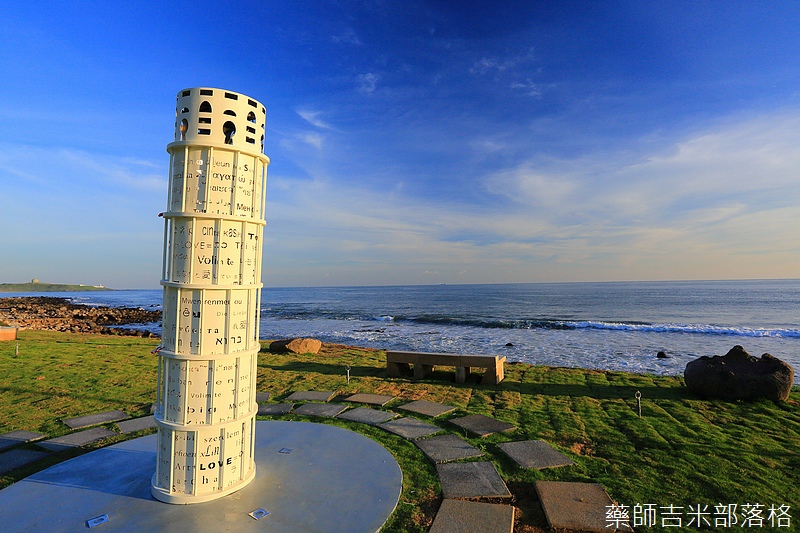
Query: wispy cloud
{"x": 348, "y": 37}
{"x": 313, "y": 118}
{"x": 491, "y": 64}
{"x": 367, "y": 82}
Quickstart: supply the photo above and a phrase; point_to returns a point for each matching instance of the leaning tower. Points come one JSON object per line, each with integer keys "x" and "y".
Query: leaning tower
{"x": 211, "y": 277}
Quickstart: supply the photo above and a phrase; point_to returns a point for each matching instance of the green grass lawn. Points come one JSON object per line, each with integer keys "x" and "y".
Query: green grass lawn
{"x": 683, "y": 450}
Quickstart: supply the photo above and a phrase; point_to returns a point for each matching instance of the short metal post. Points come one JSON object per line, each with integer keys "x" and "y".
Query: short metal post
{"x": 638, "y": 396}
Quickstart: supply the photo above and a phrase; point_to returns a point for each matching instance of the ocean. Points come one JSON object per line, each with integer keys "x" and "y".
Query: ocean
{"x": 610, "y": 326}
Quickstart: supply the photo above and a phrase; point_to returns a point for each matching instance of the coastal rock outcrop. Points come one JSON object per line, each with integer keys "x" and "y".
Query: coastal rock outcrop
{"x": 739, "y": 376}
{"x": 59, "y": 314}
{"x": 301, "y": 345}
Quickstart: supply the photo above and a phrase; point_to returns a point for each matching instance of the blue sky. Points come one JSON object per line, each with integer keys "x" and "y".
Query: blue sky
{"x": 415, "y": 142}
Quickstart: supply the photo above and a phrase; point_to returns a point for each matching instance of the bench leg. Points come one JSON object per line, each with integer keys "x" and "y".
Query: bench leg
{"x": 462, "y": 372}
{"x": 422, "y": 371}
{"x": 397, "y": 370}
{"x": 493, "y": 375}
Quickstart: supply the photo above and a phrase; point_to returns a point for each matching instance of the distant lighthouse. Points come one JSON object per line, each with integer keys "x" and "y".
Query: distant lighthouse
{"x": 211, "y": 275}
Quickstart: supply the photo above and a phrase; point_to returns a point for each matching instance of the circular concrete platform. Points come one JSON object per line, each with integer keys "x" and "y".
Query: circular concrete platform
{"x": 309, "y": 477}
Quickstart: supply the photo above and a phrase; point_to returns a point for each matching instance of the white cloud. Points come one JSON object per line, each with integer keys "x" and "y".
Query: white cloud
{"x": 314, "y": 139}
{"x": 725, "y": 199}
{"x": 367, "y": 82}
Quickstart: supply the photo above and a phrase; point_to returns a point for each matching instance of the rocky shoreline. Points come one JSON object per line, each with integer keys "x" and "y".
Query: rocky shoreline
{"x": 59, "y": 314}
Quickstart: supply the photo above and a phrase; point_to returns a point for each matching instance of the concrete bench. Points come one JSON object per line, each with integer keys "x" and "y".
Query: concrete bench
{"x": 421, "y": 364}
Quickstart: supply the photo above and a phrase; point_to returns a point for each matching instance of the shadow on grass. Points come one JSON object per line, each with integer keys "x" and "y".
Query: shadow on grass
{"x": 602, "y": 392}
{"x": 326, "y": 368}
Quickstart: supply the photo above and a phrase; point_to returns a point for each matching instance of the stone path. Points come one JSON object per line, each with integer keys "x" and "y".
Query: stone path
{"x": 424, "y": 407}
{"x": 410, "y": 428}
{"x": 482, "y": 425}
{"x": 578, "y": 506}
{"x": 15, "y": 438}
{"x": 365, "y": 415}
{"x": 534, "y": 454}
{"x": 311, "y": 396}
{"x": 459, "y": 516}
{"x": 13, "y": 459}
{"x": 74, "y": 440}
{"x": 371, "y": 399}
{"x": 446, "y": 448}
{"x": 329, "y": 410}
{"x": 471, "y": 480}
{"x": 95, "y": 419}
{"x": 275, "y": 408}
{"x": 137, "y": 424}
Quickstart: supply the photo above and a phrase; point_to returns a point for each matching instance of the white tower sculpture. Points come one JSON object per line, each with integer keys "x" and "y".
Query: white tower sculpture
{"x": 211, "y": 277}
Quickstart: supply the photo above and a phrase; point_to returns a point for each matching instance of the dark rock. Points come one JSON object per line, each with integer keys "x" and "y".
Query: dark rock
{"x": 662, "y": 355}
{"x": 739, "y": 376}
{"x": 509, "y": 344}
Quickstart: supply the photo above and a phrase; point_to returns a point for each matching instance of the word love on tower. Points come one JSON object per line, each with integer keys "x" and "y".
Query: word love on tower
{"x": 211, "y": 277}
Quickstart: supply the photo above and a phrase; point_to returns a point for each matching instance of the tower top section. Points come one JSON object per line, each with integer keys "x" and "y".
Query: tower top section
{"x": 216, "y": 117}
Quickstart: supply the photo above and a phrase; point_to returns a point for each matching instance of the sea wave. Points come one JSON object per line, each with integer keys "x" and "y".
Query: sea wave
{"x": 541, "y": 323}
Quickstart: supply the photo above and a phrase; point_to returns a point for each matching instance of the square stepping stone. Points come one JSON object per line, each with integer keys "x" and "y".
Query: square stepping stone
{"x": 262, "y": 397}
{"x": 471, "y": 480}
{"x": 578, "y": 506}
{"x": 275, "y": 408}
{"x": 410, "y": 428}
{"x": 311, "y": 396}
{"x": 535, "y": 454}
{"x": 137, "y": 424}
{"x": 365, "y": 415}
{"x": 459, "y": 516}
{"x": 13, "y": 459}
{"x": 427, "y": 408}
{"x": 74, "y": 440}
{"x": 481, "y": 425}
{"x": 372, "y": 399}
{"x": 95, "y": 419}
{"x": 15, "y": 438}
{"x": 329, "y": 410}
{"x": 446, "y": 448}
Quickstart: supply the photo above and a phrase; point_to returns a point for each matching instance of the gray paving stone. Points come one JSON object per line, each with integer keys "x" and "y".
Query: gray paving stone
{"x": 95, "y": 419}
{"x": 427, "y": 408}
{"x": 535, "y": 454}
{"x": 329, "y": 410}
{"x": 137, "y": 424}
{"x": 73, "y": 440}
{"x": 576, "y": 506}
{"x": 410, "y": 428}
{"x": 482, "y": 425}
{"x": 446, "y": 448}
{"x": 14, "y": 459}
{"x": 471, "y": 480}
{"x": 365, "y": 415}
{"x": 311, "y": 396}
{"x": 275, "y": 408}
{"x": 371, "y": 399}
{"x": 459, "y": 516}
{"x": 15, "y": 438}
{"x": 262, "y": 397}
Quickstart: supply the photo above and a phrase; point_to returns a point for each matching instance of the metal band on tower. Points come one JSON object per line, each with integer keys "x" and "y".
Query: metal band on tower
{"x": 206, "y": 408}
